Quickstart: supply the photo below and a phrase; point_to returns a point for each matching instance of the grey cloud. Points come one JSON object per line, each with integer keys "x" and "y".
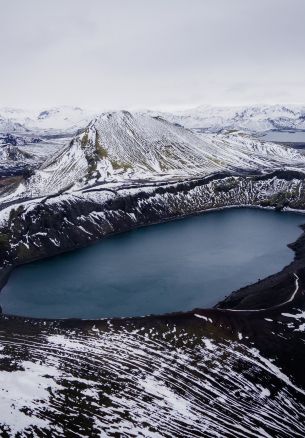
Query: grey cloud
{"x": 135, "y": 53}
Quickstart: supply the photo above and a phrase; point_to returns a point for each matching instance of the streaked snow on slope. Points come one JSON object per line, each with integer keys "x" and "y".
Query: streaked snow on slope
{"x": 137, "y": 381}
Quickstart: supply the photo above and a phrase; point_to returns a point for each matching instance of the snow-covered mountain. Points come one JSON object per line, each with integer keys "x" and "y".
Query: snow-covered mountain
{"x": 121, "y": 146}
{"x": 50, "y": 121}
{"x": 255, "y": 118}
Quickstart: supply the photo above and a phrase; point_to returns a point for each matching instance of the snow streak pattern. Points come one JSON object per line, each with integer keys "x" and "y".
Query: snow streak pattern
{"x": 139, "y": 381}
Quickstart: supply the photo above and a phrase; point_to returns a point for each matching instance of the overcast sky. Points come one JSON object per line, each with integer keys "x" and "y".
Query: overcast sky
{"x": 110, "y": 54}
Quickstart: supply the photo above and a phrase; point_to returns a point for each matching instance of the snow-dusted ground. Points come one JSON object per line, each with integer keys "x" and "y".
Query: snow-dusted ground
{"x": 147, "y": 380}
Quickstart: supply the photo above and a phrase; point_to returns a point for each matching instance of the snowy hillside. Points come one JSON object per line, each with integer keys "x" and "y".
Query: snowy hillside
{"x": 256, "y": 118}
{"x": 20, "y": 155}
{"x": 122, "y": 146}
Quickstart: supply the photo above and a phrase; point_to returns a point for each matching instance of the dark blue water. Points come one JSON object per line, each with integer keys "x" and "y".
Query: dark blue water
{"x": 175, "y": 266}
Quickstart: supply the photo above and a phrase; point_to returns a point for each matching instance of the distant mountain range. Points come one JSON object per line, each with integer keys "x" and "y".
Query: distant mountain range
{"x": 255, "y": 118}
{"x": 64, "y": 120}
{"x": 67, "y": 120}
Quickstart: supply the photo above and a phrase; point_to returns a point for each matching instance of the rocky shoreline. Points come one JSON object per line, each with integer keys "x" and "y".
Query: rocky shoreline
{"x": 270, "y": 292}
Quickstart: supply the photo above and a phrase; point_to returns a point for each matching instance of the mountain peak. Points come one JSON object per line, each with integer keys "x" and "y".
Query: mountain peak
{"x": 122, "y": 146}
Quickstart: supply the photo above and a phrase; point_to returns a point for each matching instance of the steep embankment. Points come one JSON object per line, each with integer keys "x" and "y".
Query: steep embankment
{"x": 38, "y": 229}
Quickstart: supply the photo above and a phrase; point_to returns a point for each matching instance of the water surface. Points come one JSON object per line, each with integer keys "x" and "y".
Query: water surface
{"x": 285, "y": 136}
{"x": 180, "y": 265}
